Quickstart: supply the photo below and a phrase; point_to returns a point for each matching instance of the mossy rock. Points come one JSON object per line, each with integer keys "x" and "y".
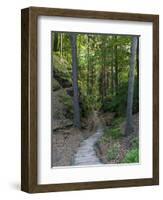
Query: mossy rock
{"x": 62, "y": 105}
{"x": 62, "y": 71}
{"x": 55, "y": 85}
{"x": 67, "y": 102}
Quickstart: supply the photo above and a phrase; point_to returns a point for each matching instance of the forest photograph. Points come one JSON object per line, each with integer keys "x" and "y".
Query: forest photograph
{"x": 94, "y": 99}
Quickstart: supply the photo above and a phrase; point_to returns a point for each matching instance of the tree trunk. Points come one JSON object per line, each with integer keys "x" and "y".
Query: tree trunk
{"x": 107, "y": 60}
{"x": 75, "y": 81}
{"x": 129, "y": 121}
{"x": 92, "y": 76}
{"x": 107, "y": 82}
{"x": 88, "y": 69}
{"x": 105, "y": 70}
{"x": 116, "y": 66}
{"x": 137, "y": 69}
{"x": 55, "y": 41}
{"x": 103, "y": 56}
{"x": 61, "y": 43}
{"x": 112, "y": 73}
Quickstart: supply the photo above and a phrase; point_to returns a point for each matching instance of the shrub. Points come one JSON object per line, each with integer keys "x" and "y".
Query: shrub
{"x": 104, "y": 139}
{"x": 114, "y": 131}
{"x": 117, "y": 121}
{"x": 135, "y": 142}
{"x": 113, "y": 152}
{"x": 117, "y": 103}
{"x": 132, "y": 156}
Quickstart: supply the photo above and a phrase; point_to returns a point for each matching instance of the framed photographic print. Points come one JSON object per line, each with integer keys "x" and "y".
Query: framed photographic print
{"x": 90, "y": 99}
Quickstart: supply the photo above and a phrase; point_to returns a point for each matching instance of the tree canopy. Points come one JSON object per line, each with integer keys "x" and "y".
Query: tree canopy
{"x": 103, "y": 70}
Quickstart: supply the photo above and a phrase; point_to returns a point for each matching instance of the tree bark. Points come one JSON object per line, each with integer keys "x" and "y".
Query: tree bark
{"x": 55, "y": 41}
{"x": 116, "y": 66}
{"x": 75, "y": 81}
{"x": 129, "y": 121}
{"x": 137, "y": 68}
{"x": 88, "y": 68}
{"x": 112, "y": 72}
{"x": 105, "y": 70}
{"x": 61, "y": 45}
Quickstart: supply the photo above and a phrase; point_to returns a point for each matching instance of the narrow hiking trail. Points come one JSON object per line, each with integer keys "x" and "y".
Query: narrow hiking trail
{"x": 86, "y": 154}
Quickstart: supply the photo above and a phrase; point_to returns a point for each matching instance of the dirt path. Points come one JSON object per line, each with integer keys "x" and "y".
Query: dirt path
{"x": 86, "y": 154}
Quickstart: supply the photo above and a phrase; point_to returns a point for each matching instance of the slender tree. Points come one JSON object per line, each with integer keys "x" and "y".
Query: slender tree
{"x": 75, "y": 81}
{"x": 91, "y": 71}
{"x": 61, "y": 43}
{"x": 102, "y": 71}
{"x": 55, "y": 41}
{"x": 116, "y": 65}
{"x": 112, "y": 70}
{"x": 107, "y": 63}
{"x": 88, "y": 64}
{"x": 129, "y": 122}
{"x": 104, "y": 65}
{"x": 137, "y": 69}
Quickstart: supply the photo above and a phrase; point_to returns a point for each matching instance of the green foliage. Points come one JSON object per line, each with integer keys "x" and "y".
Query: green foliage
{"x": 87, "y": 105}
{"x": 132, "y": 156}
{"x": 135, "y": 142}
{"x": 114, "y": 131}
{"x": 117, "y": 103}
{"x": 117, "y": 121}
{"x": 98, "y": 55}
{"x": 113, "y": 152}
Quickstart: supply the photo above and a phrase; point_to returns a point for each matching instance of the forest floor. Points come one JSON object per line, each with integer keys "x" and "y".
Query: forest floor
{"x": 112, "y": 150}
{"x": 67, "y": 141}
{"x": 91, "y": 144}
{"x": 64, "y": 144}
{"x": 65, "y": 138}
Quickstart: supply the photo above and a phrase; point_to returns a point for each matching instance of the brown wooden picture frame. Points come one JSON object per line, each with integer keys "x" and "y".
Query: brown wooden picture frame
{"x": 29, "y": 99}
